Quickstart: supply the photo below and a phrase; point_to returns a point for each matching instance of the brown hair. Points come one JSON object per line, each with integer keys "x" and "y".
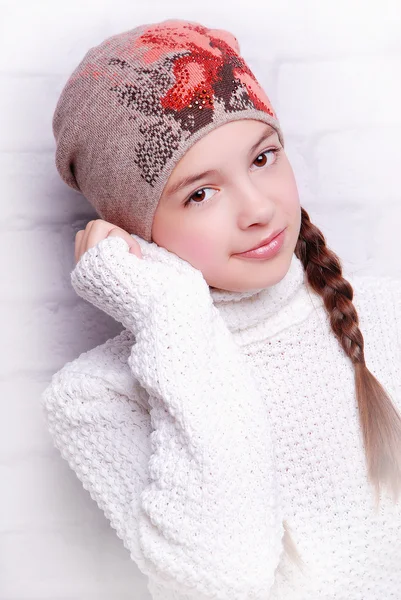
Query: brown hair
{"x": 379, "y": 418}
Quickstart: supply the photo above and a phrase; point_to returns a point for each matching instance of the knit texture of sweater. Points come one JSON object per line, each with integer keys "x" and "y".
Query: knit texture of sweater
{"x": 214, "y": 416}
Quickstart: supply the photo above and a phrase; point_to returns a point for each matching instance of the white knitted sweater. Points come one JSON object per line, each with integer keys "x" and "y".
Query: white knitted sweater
{"x": 215, "y": 415}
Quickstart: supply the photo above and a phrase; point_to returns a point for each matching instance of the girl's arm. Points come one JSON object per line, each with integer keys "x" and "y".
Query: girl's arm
{"x": 211, "y": 521}
{"x": 97, "y": 416}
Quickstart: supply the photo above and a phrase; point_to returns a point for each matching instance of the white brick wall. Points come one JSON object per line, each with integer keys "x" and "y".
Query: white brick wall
{"x": 333, "y": 73}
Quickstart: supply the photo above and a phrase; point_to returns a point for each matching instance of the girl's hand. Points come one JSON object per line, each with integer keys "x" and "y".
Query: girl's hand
{"x": 97, "y": 230}
{"x": 131, "y": 279}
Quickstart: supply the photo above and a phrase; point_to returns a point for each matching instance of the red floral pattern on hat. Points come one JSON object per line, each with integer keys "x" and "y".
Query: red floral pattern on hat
{"x": 210, "y": 67}
{"x": 136, "y": 87}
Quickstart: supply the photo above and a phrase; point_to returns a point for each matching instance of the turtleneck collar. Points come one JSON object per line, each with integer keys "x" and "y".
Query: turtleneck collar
{"x": 275, "y": 307}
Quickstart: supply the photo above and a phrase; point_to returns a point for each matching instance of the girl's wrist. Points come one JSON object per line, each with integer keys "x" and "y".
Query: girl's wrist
{"x": 137, "y": 291}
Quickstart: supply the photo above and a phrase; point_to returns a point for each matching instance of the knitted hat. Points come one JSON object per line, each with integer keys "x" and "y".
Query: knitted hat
{"x": 137, "y": 102}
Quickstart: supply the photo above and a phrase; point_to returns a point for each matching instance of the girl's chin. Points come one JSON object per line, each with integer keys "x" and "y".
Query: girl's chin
{"x": 253, "y": 275}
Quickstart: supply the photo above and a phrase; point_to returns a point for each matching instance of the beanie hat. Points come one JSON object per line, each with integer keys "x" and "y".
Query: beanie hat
{"x": 137, "y": 102}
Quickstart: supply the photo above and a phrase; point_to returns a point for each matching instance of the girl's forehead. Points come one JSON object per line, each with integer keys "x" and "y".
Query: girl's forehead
{"x": 236, "y": 136}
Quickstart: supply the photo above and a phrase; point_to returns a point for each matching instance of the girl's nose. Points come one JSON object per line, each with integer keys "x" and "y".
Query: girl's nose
{"x": 254, "y": 206}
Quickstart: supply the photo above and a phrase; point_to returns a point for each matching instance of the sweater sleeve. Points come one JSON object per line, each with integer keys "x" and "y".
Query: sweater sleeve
{"x": 211, "y": 525}
{"x": 97, "y": 418}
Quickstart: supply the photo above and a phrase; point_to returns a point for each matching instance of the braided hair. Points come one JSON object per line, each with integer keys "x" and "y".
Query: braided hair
{"x": 379, "y": 418}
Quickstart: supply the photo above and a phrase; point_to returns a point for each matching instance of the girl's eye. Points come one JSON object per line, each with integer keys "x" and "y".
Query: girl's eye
{"x": 199, "y": 194}
{"x": 275, "y": 152}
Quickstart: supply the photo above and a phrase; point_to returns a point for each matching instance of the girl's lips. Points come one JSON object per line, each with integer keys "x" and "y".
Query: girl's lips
{"x": 267, "y": 251}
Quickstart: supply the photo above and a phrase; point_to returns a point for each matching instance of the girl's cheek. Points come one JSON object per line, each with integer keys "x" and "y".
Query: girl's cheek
{"x": 199, "y": 251}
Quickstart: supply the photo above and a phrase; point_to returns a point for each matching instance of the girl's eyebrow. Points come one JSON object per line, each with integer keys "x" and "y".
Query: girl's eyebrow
{"x": 191, "y": 179}
{"x": 267, "y": 133}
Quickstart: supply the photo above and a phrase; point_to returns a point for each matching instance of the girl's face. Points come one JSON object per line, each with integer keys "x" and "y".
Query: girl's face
{"x": 250, "y": 193}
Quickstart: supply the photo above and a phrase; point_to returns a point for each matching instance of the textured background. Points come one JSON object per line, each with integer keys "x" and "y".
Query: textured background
{"x": 333, "y": 73}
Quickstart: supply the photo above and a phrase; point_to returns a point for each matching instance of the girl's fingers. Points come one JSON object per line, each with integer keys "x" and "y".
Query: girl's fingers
{"x": 134, "y": 247}
{"x": 81, "y": 240}
{"x": 95, "y": 231}
{"x": 78, "y": 239}
{"x": 98, "y": 230}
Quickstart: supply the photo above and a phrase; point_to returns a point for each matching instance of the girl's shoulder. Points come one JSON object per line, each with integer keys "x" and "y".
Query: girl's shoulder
{"x": 376, "y": 289}
{"x": 377, "y": 299}
{"x": 109, "y": 362}
{"x": 107, "y": 358}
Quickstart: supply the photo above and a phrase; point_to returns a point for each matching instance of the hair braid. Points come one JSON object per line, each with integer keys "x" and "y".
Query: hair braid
{"x": 379, "y": 418}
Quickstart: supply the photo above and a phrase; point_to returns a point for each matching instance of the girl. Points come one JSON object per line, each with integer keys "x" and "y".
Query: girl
{"x": 234, "y": 433}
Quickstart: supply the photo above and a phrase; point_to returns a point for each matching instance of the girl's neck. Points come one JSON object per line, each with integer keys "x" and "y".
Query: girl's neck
{"x": 275, "y": 307}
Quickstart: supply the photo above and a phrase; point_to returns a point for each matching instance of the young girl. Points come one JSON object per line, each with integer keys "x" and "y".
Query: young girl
{"x": 235, "y": 433}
